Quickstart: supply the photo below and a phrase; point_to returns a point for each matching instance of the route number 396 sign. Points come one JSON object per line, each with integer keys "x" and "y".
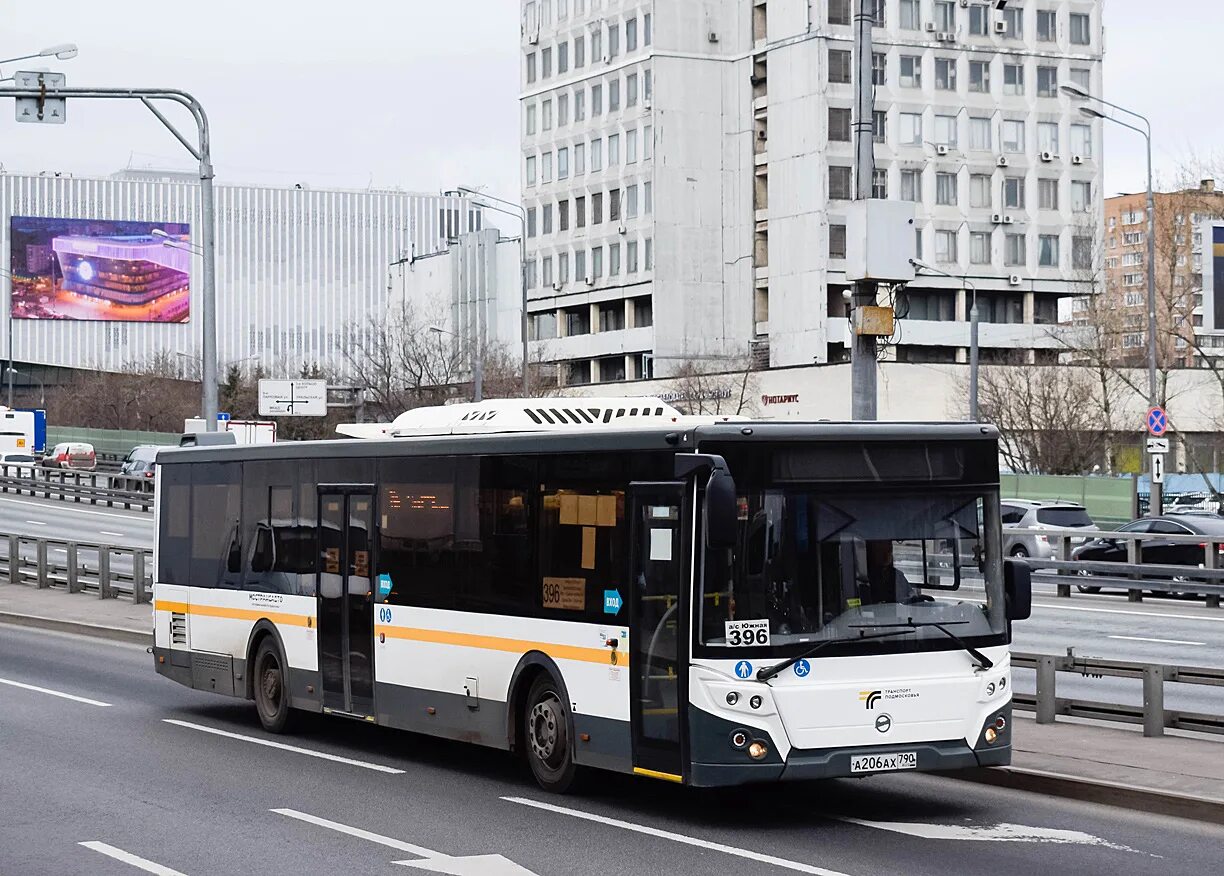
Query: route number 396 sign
{"x": 741, "y": 633}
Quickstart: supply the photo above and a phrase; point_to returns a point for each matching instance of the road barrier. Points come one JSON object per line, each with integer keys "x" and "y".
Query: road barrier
{"x": 79, "y": 566}
{"x": 1152, "y": 714}
{"x": 82, "y": 487}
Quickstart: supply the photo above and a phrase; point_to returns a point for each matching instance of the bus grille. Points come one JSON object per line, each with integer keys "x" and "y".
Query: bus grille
{"x": 178, "y": 628}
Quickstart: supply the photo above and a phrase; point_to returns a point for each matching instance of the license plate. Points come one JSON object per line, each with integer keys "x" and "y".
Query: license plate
{"x": 883, "y": 763}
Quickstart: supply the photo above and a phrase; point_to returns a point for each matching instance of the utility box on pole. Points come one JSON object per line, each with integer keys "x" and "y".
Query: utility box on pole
{"x": 880, "y": 241}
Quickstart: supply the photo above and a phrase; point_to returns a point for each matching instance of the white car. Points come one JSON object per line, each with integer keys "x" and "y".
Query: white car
{"x": 17, "y": 465}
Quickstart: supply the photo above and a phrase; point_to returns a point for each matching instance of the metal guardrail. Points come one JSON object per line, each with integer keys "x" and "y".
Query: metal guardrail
{"x": 1152, "y": 714}
{"x": 1134, "y": 576}
{"x": 84, "y": 566}
{"x": 93, "y": 488}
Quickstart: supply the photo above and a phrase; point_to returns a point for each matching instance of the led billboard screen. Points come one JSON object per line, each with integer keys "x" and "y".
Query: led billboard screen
{"x": 97, "y": 269}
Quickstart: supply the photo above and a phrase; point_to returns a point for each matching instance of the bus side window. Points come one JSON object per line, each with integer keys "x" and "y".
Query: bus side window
{"x": 174, "y": 544}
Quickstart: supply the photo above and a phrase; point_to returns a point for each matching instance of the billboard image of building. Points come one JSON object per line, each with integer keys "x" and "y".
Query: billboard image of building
{"x": 92, "y": 269}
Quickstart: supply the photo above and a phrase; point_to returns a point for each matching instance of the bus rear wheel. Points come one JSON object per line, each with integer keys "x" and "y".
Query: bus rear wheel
{"x": 270, "y": 681}
{"x": 546, "y": 733}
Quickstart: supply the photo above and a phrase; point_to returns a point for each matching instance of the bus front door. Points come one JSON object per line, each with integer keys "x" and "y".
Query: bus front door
{"x": 658, "y": 687}
{"x": 346, "y": 599}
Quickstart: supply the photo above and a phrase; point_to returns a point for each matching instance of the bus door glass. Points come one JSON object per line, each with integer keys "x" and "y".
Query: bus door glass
{"x": 346, "y": 603}
{"x": 659, "y": 572}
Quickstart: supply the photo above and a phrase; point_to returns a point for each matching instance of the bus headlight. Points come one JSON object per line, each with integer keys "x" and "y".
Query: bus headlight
{"x": 758, "y": 750}
{"x": 732, "y": 698}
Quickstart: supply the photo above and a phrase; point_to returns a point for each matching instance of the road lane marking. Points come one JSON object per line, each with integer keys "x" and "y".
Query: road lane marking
{"x": 322, "y": 755}
{"x": 129, "y": 858}
{"x": 71, "y": 510}
{"x": 55, "y": 693}
{"x": 37, "y": 522}
{"x": 390, "y": 842}
{"x": 996, "y": 833}
{"x": 676, "y": 837}
{"x": 1197, "y": 617}
{"x": 106, "y": 532}
{"x": 1157, "y": 641}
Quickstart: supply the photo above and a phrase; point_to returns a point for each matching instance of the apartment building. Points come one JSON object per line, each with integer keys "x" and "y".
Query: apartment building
{"x": 687, "y": 168}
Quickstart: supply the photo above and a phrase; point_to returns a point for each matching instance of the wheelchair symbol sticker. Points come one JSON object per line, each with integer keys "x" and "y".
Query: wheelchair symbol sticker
{"x": 743, "y": 669}
{"x": 802, "y": 668}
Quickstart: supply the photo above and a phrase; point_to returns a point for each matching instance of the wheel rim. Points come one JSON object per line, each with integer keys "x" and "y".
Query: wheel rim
{"x": 270, "y": 688}
{"x": 546, "y": 731}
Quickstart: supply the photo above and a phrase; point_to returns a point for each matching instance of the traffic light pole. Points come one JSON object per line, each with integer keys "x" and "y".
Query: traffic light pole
{"x": 200, "y": 151}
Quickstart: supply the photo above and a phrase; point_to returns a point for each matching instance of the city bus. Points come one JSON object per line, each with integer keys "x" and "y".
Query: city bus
{"x": 607, "y": 583}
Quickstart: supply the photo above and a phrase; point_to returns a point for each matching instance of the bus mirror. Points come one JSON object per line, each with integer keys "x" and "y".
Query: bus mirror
{"x": 1018, "y": 587}
{"x": 721, "y": 510}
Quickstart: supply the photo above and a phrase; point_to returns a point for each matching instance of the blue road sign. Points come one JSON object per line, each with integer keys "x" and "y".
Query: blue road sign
{"x": 1157, "y": 421}
{"x": 222, "y": 417}
{"x": 802, "y": 668}
{"x": 612, "y": 602}
{"x": 743, "y": 669}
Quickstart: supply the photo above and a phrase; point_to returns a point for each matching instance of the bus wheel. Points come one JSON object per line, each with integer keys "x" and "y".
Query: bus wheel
{"x": 270, "y": 682}
{"x": 546, "y": 731}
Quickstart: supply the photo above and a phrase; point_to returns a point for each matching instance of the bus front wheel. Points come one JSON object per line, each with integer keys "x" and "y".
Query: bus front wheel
{"x": 546, "y": 732}
{"x": 270, "y": 681}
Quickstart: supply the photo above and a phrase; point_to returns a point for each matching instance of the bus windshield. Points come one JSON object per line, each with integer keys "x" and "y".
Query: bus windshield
{"x": 812, "y": 566}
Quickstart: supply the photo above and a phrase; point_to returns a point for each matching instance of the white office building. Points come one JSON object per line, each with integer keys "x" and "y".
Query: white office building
{"x": 687, "y": 169}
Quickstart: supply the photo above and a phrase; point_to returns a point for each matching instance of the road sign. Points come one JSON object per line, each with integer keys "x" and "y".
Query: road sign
{"x": 1158, "y": 468}
{"x": 1158, "y": 445}
{"x": 1157, "y": 421}
{"x": 42, "y": 109}
{"x": 222, "y": 417}
{"x": 293, "y": 398}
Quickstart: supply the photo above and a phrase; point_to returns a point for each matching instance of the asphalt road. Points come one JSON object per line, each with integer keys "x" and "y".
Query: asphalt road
{"x": 109, "y": 770}
{"x": 96, "y": 524}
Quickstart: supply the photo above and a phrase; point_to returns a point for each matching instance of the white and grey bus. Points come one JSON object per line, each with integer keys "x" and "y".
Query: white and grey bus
{"x": 606, "y": 583}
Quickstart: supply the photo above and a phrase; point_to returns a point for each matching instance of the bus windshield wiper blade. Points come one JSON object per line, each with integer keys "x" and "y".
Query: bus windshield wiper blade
{"x": 767, "y": 672}
{"x": 982, "y": 659}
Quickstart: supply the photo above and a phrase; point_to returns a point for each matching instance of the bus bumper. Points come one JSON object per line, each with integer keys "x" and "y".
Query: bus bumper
{"x": 801, "y": 764}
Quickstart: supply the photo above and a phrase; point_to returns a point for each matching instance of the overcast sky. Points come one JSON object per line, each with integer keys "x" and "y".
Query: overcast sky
{"x": 423, "y": 95}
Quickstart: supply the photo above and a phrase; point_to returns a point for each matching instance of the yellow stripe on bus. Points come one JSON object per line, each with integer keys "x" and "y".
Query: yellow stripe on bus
{"x": 654, "y": 774}
{"x": 496, "y": 643}
{"x": 249, "y": 614}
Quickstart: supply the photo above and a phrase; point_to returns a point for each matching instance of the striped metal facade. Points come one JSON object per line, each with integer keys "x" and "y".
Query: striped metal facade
{"x": 295, "y": 266}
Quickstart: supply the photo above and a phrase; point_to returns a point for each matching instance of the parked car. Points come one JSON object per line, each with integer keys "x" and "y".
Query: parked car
{"x": 1156, "y": 550}
{"x": 17, "y": 465}
{"x": 75, "y": 455}
{"x": 1023, "y": 520}
{"x": 1188, "y": 502}
{"x": 141, "y": 462}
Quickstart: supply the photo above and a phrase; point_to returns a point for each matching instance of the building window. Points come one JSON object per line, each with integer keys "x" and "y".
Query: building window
{"x": 1047, "y": 194}
{"x": 614, "y": 40}
{"x": 1081, "y": 35}
{"x": 531, "y": 68}
{"x": 543, "y": 326}
{"x": 631, "y": 257}
{"x": 532, "y": 223}
{"x": 839, "y": 125}
{"x": 531, "y": 119}
{"x": 879, "y": 68}
{"x": 563, "y": 166}
{"x": 979, "y": 135}
{"x": 579, "y": 52}
{"x": 546, "y": 271}
{"x": 614, "y": 199}
{"x": 1081, "y": 196}
{"x": 945, "y": 16}
{"x": 1047, "y": 25}
{"x": 837, "y": 241}
{"x": 613, "y": 150}
{"x": 563, "y": 265}
{"x": 597, "y": 208}
{"x": 577, "y": 372}
{"x": 945, "y": 74}
{"x": 531, "y": 170}
{"x": 1013, "y": 193}
{"x": 579, "y": 159}
{"x": 945, "y": 246}
{"x": 1047, "y": 81}
{"x": 563, "y": 216}
{"x": 612, "y": 317}
{"x": 631, "y": 90}
{"x": 1013, "y": 136}
{"x": 614, "y": 94}
{"x": 1135, "y": 259}
{"x": 839, "y": 11}
{"x": 1081, "y": 253}
{"x": 631, "y": 146}
{"x": 911, "y": 71}
{"x": 1047, "y": 137}
{"x": 545, "y": 63}
{"x": 1082, "y": 77}
{"x": 879, "y": 126}
{"x": 918, "y": 242}
{"x": 911, "y": 15}
{"x": 631, "y": 35}
{"x": 1081, "y": 140}
{"x": 611, "y": 369}
{"x": 647, "y": 29}
{"x": 546, "y": 219}
{"x": 562, "y": 110}
{"x": 562, "y": 58}
{"x": 580, "y": 212}
{"x": 1047, "y": 250}
{"x": 580, "y": 265}
{"x": 1132, "y": 279}
{"x": 597, "y": 155}
{"x": 839, "y": 66}
{"x": 879, "y": 183}
{"x": 596, "y": 100}
{"x": 1013, "y": 79}
{"x": 839, "y": 183}
{"x": 979, "y": 190}
{"x": 979, "y": 247}
{"x": 945, "y": 131}
{"x": 597, "y": 43}
{"x": 1013, "y": 17}
{"x": 1014, "y": 250}
{"x": 547, "y": 108}
{"x": 643, "y": 312}
{"x": 911, "y": 129}
{"x": 979, "y": 19}
{"x": 945, "y": 189}
{"x": 631, "y": 202}
{"x": 532, "y": 279}
{"x": 979, "y": 76}
{"x": 911, "y": 185}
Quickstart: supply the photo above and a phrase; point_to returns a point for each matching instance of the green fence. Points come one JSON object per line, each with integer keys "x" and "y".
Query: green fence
{"x": 110, "y": 441}
{"x": 1110, "y": 501}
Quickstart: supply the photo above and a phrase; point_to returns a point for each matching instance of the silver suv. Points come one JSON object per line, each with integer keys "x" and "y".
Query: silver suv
{"x": 1023, "y": 520}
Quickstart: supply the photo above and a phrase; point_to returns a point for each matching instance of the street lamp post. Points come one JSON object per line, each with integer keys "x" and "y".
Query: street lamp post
{"x": 920, "y": 265}
{"x": 1156, "y": 505}
{"x": 477, "y": 363}
{"x": 201, "y": 152}
{"x": 510, "y": 208}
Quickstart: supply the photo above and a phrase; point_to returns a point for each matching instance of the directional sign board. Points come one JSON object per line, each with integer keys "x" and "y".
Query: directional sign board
{"x": 42, "y": 109}
{"x": 1158, "y": 445}
{"x": 1157, "y": 421}
{"x": 293, "y": 398}
{"x": 1158, "y": 465}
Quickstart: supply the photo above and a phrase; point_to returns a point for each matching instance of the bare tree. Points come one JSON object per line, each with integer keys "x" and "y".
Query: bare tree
{"x": 143, "y": 395}
{"x": 701, "y": 386}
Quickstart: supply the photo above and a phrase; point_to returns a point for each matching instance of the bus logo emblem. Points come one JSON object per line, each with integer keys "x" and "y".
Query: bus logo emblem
{"x": 870, "y": 697}
{"x": 883, "y": 723}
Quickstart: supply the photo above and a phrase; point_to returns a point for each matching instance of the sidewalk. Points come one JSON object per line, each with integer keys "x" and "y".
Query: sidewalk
{"x": 1180, "y": 775}
{"x": 85, "y": 613}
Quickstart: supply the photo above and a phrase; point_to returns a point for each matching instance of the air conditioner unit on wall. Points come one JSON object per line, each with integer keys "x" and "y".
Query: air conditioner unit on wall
{"x": 1003, "y": 162}
{"x": 941, "y": 149}
{"x": 1047, "y": 156}
{"x": 1014, "y": 280}
{"x": 1077, "y": 159}
{"x": 1000, "y": 27}
{"x": 1009, "y": 219}
{"x": 929, "y": 27}
{"x": 996, "y": 218}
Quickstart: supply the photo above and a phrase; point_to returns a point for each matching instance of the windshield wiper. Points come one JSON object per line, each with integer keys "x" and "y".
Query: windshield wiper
{"x": 984, "y": 661}
{"x": 767, "y": 672}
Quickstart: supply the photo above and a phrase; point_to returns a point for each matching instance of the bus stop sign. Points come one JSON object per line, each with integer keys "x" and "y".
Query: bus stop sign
{"x": 1157, "y": 421}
